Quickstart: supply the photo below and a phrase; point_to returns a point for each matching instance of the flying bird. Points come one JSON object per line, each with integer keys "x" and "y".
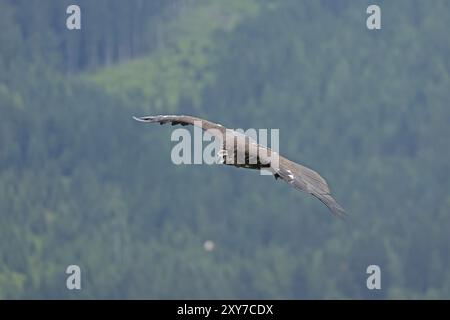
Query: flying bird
{"x": 238, "y": 146}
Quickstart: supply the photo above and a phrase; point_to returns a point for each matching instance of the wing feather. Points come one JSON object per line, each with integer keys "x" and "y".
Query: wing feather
{"x": 307, "y": 180}
{"x": 183, "y": 120}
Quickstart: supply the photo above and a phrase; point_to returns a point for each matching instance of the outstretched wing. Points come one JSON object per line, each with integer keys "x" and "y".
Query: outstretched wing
{"x": 184, "y": 121}
{"x": 307, "y": 180}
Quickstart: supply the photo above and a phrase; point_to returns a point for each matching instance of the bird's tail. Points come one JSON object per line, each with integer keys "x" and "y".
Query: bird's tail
{"x": 329, "y": 201}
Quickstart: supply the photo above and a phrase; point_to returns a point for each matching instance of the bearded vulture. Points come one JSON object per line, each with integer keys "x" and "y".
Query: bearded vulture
{"x": 256, "y": 156}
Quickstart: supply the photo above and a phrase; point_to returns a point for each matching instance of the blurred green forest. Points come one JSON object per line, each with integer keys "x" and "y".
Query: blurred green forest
{"x": 82, "y": 183}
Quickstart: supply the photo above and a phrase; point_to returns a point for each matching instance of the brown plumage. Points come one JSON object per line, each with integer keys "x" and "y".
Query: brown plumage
{"x": 257, "y": 157}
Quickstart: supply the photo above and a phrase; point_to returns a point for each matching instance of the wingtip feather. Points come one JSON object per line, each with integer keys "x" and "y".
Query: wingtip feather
{"x": 331, "y": 203}
{"x": 138, "y": 118}
{"x": 142, "y": 119}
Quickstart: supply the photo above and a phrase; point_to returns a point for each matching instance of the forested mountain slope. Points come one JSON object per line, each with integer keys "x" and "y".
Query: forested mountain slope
{"x": 81, "y": 183}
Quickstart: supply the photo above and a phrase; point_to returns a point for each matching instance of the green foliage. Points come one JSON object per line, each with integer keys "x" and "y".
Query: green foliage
{"x": 82, "y": 183}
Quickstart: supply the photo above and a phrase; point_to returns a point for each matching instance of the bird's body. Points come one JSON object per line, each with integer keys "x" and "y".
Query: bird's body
{"x": 242, "y": 151}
